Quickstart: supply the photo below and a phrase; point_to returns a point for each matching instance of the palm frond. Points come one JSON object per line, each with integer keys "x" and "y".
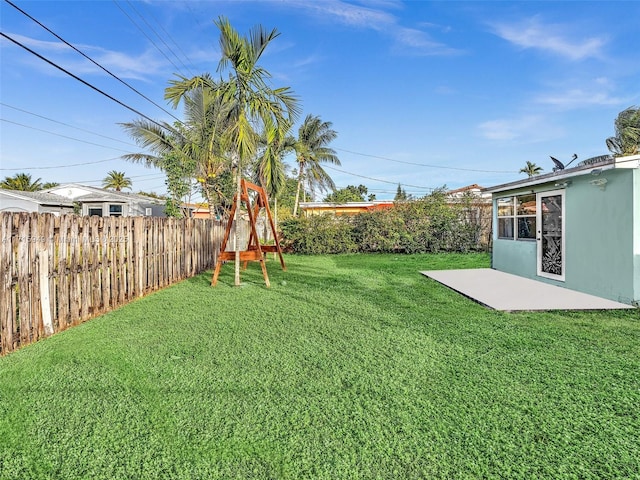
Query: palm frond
{"x": 179, "y": 87}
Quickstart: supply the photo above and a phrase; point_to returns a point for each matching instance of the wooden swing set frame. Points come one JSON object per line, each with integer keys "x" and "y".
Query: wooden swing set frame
{"x": 254, "y": 252}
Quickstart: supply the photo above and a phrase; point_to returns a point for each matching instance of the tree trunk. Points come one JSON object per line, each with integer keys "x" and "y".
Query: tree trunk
{"x": 237, "y": 221}
{"x": 275, "y": 224}
{"x": 208, "y": 195}
{"x": 295, "y": 204}
{"x": 275, "y": 215}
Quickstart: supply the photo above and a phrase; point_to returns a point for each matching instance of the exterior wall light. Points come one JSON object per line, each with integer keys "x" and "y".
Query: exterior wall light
{"x": 599, "y": 182}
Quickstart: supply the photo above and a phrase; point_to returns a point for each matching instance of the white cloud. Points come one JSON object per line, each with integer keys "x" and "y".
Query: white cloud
{"x": 532, "y": 33}
{"x": 39, "y": 45}
{"x": 570, "y": 94}
{"x": 527, "y": 129}
{"x": 407, "y": 40}
{"x": 127, "y": 66}
{"x": 418, "y": 41}
{"x": 397, "y": 4}
{"x": 349, "y": 14}
{"x": 499, "y": 130}
{"x": 140, "y": 66}
{"x": 308, "y": 60}
{"x": 578, "y": 98}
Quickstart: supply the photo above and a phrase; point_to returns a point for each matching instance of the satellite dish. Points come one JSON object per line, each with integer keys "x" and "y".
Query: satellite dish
{"x": 561, "y": 166}
{"x": 558, "y": 164}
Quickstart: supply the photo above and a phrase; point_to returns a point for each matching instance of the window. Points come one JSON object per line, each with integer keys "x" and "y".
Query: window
{"x": 115, "y": 210}
{"x": 517, "y": 217}
{"x": 95, "y": 211}
{"x": 526, "y": 216}
{"x": 505, "y": 217}
{"x": 148, "y": 211}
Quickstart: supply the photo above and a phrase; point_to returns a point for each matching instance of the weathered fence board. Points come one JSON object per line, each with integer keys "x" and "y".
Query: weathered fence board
{"x": 56, "y": 272}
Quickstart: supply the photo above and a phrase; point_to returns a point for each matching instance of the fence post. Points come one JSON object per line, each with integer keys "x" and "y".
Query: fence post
{"x": 45, "y": 301}
{"x": 8, "y": 311}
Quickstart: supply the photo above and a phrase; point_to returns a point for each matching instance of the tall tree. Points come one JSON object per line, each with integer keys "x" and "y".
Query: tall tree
{"x": 194, "y": 149}
{"x": 269, "y": 170}
{"x": 179, "y": 171}
{"x": 251, "y": 100}
{"x": 24, "y": 183}
{"x": 312, "y": 150}
{"x": 350, "y": 193}
{"x": 627, "y": 138}
{"x": 531, "y": 169}
{"x": 116, "y": 181}
{"x": 401, "y": 194}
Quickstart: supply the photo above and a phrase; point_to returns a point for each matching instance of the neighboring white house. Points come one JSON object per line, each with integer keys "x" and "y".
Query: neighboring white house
{"x": 40, "y": 202}
{"x": 109, "y": 203}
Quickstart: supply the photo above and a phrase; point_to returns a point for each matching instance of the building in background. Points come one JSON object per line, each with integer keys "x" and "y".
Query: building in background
{"x": 109, "y": 203}
{"x": 39, "y": 202}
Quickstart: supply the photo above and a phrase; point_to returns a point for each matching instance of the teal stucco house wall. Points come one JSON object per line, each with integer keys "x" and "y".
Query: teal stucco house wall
{"x": 578, "y": 228}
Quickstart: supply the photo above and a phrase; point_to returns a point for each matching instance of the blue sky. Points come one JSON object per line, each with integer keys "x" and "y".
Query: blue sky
{"x": 424, "y": 94}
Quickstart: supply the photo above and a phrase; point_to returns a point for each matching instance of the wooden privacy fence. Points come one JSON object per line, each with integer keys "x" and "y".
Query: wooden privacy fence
{"x": 60, "y": 271}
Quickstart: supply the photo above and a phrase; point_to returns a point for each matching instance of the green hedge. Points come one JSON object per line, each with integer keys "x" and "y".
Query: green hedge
{"x": 319, "y": 234}
{"x": 427, "y": 225}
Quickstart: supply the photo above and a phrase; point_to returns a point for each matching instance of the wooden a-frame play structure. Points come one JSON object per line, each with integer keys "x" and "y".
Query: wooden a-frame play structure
{"x": 255, "y": 251}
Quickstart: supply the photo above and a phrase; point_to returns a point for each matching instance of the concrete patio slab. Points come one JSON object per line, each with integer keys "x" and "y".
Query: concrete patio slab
{"x": 507, "y": 292}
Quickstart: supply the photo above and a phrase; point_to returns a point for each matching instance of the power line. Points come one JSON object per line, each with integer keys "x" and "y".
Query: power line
{"x": 61, "y": 166}
{"x": 148, "y": 38}
{"x": 380, "y": 190}
{"x": 63, "y": 136}
{"x": 186, "y": 57}
{"x": 425, "y": 164}
{"x": 66, "y": 124}
{"x": 155, "y": 175}
{"x": 193, "y": 15}
{"x": 378, "y": 180}
{"x": 53, "y": 64}
{"x": 157, "y": 35}
{"x": 90, "y": 59}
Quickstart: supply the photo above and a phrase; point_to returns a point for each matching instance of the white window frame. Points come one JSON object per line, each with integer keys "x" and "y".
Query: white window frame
{"x": 120, "y": 214}
{"x": 90, "y": 207}
{"x": 514, "y": 217}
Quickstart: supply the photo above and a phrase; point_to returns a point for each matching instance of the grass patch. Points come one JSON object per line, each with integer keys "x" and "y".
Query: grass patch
{"x": 351, "y": 366}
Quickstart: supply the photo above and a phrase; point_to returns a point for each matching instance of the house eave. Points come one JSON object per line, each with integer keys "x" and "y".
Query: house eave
{"x": 615, "y": 163}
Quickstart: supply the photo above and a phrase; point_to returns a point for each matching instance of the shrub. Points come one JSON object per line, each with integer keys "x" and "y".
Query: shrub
{"x": 429, "y": 225}
{"x": 378, "y": 232}
{"x": 319, "y": 234}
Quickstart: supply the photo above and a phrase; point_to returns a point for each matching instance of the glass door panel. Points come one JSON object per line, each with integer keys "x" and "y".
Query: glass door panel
{"x": 550, "y": 235}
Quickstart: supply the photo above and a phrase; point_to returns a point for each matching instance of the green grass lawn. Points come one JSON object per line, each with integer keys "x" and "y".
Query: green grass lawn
{"x": 348, "y": 367}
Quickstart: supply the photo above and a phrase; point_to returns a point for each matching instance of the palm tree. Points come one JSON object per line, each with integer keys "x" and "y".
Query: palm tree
{"x": 23, "y": 182}
{"x": 196, "y": 145}
{"x": 116, "y": 180}
{"x": 311, "y": 150}
{"x": 251, "y": 100}
{"x": 270, "y": 171}
{"x": 627, "y": 138}
{"x": 531, "y": 169}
